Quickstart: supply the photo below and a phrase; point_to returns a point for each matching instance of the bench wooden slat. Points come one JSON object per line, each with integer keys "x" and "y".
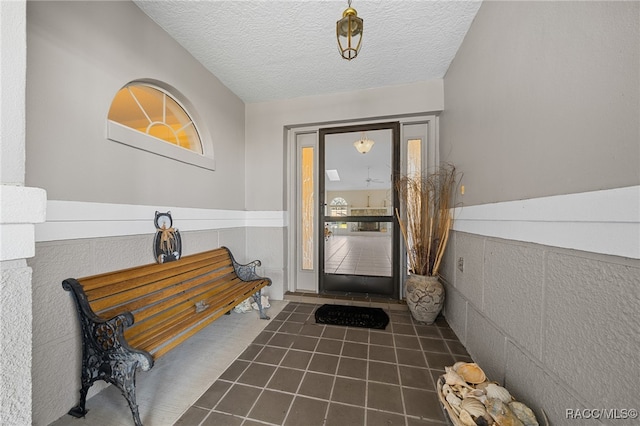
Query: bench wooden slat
{"x": 96, "y": 281}
{"x": 175, "y": 325}
{"x": 181, "y": 270}
{"x": 148, "y": 318}
{"x": 131, "y": 300}
{"x": 175, "y": 295}
{"x": 166, "y": 348}
{"x": 152, "y": 329}
{"x": 188, "y": 328}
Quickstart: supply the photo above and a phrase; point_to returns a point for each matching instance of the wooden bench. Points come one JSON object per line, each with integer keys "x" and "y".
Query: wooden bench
{"x": 129, "y": 318}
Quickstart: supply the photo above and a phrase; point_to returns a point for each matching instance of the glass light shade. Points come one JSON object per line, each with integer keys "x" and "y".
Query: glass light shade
{"x": 363, "y": 145}
{"x": 349, "y": 33}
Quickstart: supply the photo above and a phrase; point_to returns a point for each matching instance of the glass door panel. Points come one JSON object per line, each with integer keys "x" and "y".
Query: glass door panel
{"x": 358, "y": 252}
{"x": 307, "y": 207}
{"x": 306, "y": 246}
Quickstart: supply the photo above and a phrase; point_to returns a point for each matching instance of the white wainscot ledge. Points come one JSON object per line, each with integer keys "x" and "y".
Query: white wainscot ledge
{"x": 67, "y": 220}
{"x": 605, "y": 222}
{"x": 267, "y": 219}
{"x": 20, "y": 208}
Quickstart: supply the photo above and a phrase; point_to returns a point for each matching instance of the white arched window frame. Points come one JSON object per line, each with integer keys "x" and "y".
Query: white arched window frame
{"x": 338, "y": 207}
{"x": 129, "y": 136}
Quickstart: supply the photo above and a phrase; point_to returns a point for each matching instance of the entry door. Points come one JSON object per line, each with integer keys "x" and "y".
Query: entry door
{"x": 359, "y": 235}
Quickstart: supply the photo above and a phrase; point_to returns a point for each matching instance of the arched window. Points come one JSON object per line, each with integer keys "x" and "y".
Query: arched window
{"x": 149, "y": 117}
{"x": 338, "y": 207}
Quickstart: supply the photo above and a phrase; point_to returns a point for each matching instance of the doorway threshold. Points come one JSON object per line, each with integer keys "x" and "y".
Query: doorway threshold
{"x": 346, "y": 299}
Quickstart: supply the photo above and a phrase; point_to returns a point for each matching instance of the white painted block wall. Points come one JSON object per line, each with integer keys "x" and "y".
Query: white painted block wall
{"x": 558, "y": 327}
{"x": 56, "y": 333}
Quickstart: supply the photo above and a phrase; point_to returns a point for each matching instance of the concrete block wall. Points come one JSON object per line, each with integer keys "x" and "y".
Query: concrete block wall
{"x": 559, "y": 328}
{"x": 268, "y": 245}
{"x": 56, "y": 332}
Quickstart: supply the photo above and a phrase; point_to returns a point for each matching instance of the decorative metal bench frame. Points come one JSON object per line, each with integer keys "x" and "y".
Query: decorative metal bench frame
{"x": 131, "y": 317}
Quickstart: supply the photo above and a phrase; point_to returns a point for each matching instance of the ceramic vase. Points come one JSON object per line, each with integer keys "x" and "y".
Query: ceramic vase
{"x": 425, "y": 297}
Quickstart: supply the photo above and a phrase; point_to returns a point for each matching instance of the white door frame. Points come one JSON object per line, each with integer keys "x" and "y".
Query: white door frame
{"x": 420, "y": 126}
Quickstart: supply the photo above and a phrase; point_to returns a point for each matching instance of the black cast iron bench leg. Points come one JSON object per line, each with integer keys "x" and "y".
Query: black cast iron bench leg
{"x": 79, "y": 410}
{"x": 126, "y": 382}
{"x": 257, "y": 297}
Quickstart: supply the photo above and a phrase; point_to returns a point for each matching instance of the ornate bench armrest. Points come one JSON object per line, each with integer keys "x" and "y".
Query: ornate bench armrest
{"x": 247, "y": 272}
{"x": 102, "y": 339}
{"x": 82, "y": 303}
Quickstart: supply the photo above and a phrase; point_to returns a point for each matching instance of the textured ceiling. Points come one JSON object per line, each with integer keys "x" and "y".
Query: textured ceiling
{"x": 267, "y": 50}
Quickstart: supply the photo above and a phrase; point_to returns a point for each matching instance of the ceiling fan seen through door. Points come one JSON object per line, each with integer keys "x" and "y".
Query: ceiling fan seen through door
{"x": 369, "y": 179}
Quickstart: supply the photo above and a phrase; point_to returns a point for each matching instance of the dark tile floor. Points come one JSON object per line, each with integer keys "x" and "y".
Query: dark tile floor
{"x": 300, "y": 373}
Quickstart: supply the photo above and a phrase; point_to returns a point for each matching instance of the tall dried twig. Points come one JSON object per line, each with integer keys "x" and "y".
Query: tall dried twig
{"x": 425, "y": 225}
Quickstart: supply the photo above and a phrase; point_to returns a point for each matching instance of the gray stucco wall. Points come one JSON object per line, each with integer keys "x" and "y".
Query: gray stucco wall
{"x": 79, "y": 54}
{"x": 542, "y": 99}
{"x": 266, "y": 156}
{"x": 20, "y": 208}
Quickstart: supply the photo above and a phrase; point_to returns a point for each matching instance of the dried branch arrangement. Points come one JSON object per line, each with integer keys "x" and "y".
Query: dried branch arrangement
{"x": 426, "y": 219}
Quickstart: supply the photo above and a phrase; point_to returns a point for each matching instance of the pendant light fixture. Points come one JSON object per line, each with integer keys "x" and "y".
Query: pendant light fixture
{"x": 349, "y": 33}
{"x": 364, "y": 144}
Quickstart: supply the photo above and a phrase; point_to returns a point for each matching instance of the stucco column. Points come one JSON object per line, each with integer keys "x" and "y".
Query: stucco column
{"x": 20, "y": 209}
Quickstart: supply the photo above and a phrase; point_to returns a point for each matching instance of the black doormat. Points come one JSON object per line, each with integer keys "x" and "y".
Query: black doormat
{"x": 352, "y": 316}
